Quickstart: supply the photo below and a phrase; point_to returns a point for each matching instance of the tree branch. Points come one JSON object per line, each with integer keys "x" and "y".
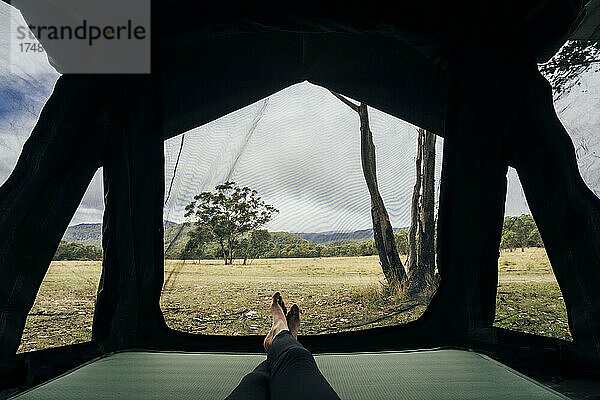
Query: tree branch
{"x": 345, "y": 101}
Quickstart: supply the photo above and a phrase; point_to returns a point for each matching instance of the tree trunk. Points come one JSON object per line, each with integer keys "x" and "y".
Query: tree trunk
{"x": 421, "y": 236}
{"x": 426, "y": 246}
{"x": 223, "y": 251}
{"x": 247, "y": 248}
{"x": 383, "y": 233}
{"x": 414, "y": 210}
{"x": 230, "y": 251}
{"x": 382, "y": 228}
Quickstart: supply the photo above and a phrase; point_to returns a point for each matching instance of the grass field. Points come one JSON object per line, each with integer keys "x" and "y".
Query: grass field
{"x": 333, "y": 293}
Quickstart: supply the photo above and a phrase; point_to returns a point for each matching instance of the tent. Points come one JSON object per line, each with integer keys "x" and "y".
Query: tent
{"x": 447, "y": 67}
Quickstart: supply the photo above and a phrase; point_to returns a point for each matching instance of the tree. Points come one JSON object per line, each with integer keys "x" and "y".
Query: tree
{"x": 257, "y": 243}
{"x": 520, "y": 232}
{"x": 414, "y": 209}
{"x": 197, "y": 241}
{"x": 228, "y": 213}
{"x": 383, "y": 233}
{"x": 77, "y": 251}
{"x": 534, "y": 239}
{"x": 508, "y": 240}
{"x": 401, "y": 239}
{"x": 421, "y": 235}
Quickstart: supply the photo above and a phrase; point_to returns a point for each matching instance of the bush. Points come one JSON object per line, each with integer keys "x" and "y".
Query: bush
{"x": 520, "y": 232}
{"x": 77, "y": 252}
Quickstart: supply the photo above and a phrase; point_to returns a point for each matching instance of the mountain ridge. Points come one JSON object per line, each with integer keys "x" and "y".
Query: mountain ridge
{"x": 91, "y": 234}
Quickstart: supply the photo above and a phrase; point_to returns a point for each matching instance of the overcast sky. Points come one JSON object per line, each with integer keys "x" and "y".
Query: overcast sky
{"x": 299, "y": 148}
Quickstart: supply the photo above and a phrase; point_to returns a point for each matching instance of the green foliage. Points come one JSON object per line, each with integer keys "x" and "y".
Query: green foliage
{"x": 77, "y": 251}
{"x": 195, "y": 247}
{"x": 259, "y": 240}
{"x": 401, "y": 239}
{"x": 520, "y": 232}
{"x": 225, "y": 216}
{"x": 227, "y": 225}
{"x": 264, "y": 244}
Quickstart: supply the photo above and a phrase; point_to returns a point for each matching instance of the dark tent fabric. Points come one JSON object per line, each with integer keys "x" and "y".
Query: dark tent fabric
{"x": 444, "y": 66}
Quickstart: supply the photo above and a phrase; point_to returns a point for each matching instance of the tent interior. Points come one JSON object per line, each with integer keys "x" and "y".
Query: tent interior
{"x": 475, "y": 75}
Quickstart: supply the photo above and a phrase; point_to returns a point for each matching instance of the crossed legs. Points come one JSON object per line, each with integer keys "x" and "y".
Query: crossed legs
{"x": 290, "y": 371}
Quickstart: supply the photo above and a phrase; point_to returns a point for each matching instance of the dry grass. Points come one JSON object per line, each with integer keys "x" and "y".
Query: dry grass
{"x": 63, "y": 310}
{"x": 529, "y": 299}
{"x": 333, "y": 293}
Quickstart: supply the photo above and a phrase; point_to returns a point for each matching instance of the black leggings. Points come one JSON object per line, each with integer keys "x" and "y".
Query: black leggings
{"x": 289, "y": 372}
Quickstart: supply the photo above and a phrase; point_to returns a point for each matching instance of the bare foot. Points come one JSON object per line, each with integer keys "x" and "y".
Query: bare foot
{"x": 282, "y": 304}
{"x": 279, "y": 321}
{"x": 293, "y": 320}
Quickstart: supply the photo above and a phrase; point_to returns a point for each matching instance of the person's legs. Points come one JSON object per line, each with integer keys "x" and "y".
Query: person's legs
{"x": 254, "y": 386}
{"x": 294, "y": 374}
{"x": 290, "y": 371}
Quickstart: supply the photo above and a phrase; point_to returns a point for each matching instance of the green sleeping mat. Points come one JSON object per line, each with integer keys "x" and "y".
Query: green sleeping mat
{"x": 432, "y": 374}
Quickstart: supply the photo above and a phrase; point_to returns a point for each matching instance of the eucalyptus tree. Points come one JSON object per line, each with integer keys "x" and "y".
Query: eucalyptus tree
{"x": 228, "y": 213}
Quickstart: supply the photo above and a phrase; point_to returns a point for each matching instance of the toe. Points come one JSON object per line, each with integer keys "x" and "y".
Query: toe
{"x": 278, "y": 301}
{"x": 282, "y": 304}
{"x": 295, "y": 311}
{"x": 276, "y": 298}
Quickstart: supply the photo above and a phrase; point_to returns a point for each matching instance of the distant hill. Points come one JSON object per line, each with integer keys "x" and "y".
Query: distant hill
{"x": 341, "y": 237}
{"x": 88, "y": 234}
{"x": 176, "y": 236}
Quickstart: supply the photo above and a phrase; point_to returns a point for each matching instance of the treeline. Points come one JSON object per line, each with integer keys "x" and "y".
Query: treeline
{"x": 288, "y": 245}
{"x": 517, "y": 232}
{"x": 520, "y": 232}
{"x": 77, "y": 252}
